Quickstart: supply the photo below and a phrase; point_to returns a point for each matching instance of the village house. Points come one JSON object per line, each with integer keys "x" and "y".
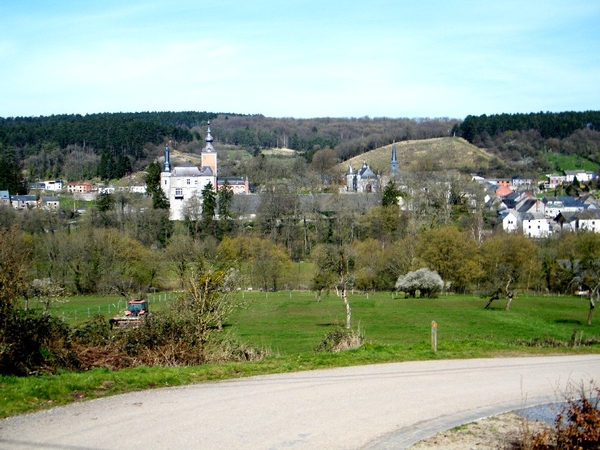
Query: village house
{"x": 46, "y": 202}
{"x": 23, "y": 201}
{"x": 238, "y": 185}
{"x": 535, "y": 225}
{"x": 80, "y": 187}
{"x": 556, "y": 205}
{"x": 581, "y": 175}
{"x": 54, "y": 185}
{"x": 4, "y": 198}
{"x": 511, "y": 221}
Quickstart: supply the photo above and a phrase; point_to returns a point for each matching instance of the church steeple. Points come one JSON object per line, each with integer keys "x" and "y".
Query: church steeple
{"x": 208, "y": 148}
{"x": 209, "y": 155}
{"x": 167, "y": 164}
{"x": 394, "y": 162}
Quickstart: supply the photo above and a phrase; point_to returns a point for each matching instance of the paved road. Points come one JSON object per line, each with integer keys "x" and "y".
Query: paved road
{"x": 381, "y": 406}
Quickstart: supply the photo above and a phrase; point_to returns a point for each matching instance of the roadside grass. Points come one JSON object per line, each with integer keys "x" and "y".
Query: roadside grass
{"x": 292, "y": 323}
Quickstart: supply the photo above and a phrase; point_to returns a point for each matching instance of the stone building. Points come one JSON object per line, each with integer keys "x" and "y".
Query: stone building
{"x": 186, "y": 182}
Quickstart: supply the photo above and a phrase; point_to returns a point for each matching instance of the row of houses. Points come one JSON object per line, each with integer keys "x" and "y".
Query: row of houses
{"x": 537, "y": 218}
{"x": 28, "y": 201}
{"x": 552, "y": 180}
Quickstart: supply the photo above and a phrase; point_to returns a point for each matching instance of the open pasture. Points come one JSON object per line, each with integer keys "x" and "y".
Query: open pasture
{"x": 294, "y": 322}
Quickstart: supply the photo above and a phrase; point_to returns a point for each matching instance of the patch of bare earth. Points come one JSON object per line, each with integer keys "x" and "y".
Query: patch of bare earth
{"x": 493, "y": 433}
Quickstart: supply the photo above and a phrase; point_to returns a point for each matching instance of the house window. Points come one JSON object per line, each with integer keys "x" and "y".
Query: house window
{"x": 188, "y": 181}
{"x": 165, "y": 182}
{"x": 179, "y": 193}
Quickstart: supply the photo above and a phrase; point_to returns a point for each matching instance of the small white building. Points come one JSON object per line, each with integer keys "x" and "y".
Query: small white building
{"x": 582, "y": 176}
{"x": 588, "y": 220}
{"x": 511, "y": 221}
{"x": 54, "y": 185}
{"x": 535, "y": 225}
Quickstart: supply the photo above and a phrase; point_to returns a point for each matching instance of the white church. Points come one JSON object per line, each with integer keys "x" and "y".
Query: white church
{"x": 184, "y": 182}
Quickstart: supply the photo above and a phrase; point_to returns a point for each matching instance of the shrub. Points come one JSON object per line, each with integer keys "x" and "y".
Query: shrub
{"x": 427, "y": 282}
{"x": 32, "y": 342}
{"x": 577, "y": 426}
{"x": 340, "y": 340}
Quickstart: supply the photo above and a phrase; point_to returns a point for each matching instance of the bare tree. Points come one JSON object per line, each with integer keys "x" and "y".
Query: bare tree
{"x": 335, "y": 269}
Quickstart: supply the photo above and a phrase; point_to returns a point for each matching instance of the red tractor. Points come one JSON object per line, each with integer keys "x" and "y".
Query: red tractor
{"x": 136, "y": 311}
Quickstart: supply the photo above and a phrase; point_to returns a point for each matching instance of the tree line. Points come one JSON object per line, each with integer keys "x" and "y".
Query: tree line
{"x": 126, "y": 244}
{"x": 522, "y": 141}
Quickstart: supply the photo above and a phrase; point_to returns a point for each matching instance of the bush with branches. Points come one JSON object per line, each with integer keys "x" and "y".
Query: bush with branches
{"x": 427, "y": 282}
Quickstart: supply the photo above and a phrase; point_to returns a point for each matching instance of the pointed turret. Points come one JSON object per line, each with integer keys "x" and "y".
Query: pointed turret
{"x": 209, "y": 156}
{"x": 167, "y": 164}
{"x": 208, "y": 148}
{"x": 394, "y": 163}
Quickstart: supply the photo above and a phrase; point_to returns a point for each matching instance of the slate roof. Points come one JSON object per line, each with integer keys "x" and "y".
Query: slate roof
{"x": 526, "y": 205}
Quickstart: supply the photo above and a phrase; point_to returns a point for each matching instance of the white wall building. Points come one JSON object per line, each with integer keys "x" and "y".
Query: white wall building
{"x": 535, "y": 225}
{"x": 511, "y": 221}
{"x": 183, "y": 184}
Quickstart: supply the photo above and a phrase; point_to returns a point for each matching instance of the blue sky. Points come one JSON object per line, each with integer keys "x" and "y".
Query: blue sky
{"x": 299, "y": 58}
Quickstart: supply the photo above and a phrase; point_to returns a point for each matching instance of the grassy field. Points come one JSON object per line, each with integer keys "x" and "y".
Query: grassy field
{"x": 291, "y": 324}
{"x": 571, "y": 162}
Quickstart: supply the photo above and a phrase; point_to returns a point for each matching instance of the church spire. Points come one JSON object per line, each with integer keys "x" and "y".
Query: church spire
{"x": 208, "y": 148}
{"x": 167, "y": 164}
{"x": 394, "y": 162}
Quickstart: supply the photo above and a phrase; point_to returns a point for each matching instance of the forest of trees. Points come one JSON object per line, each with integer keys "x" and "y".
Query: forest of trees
{"x": 109, "y": 146}
{"x": 521, "y": 140}
{"x": 82, "y": 147}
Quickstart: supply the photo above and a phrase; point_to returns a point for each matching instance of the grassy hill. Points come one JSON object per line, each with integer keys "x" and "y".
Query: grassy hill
{"x": 449, "y": 153}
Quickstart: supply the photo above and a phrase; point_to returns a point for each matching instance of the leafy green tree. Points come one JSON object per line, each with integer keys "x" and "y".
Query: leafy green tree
{"x": 452, "y": 254}
{"x": 510, "y": 256}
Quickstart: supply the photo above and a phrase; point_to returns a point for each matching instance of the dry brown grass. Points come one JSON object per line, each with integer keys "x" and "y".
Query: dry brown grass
{"x": 429, "y": 154}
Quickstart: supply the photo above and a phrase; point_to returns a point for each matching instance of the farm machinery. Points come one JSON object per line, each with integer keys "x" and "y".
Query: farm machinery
{"x": 137, "y": 310}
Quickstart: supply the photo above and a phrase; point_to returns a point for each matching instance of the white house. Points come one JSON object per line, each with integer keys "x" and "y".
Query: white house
{"x": 511, "y": 221}
{"x": 556, "y": 205}
{"x": 581, "y": 175}
{"x": 54, "y": 185}
{"x": 588, "y": 220}
{"x": 535, "y": 225}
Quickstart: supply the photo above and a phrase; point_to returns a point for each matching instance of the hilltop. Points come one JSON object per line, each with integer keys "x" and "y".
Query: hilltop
{"x": 448, "y": 153}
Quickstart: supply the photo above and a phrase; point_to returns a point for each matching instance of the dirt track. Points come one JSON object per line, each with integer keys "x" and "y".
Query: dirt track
{"x": 378, "y": 406}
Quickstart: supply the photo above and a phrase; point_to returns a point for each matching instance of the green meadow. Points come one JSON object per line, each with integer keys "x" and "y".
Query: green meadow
{"x": 290, "y": 324}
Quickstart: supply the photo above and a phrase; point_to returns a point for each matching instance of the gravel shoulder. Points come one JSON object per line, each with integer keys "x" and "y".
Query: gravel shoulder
{"x": 491, "y": 433}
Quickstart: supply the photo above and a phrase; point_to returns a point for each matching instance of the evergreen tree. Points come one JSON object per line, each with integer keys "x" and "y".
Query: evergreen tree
{"x": 209, "y": 207}
{"x": 159, "y": 200}
{"x": 224, "y": 207}
{"x": 390, "y": 194}
{"x": 10, "y": 174}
